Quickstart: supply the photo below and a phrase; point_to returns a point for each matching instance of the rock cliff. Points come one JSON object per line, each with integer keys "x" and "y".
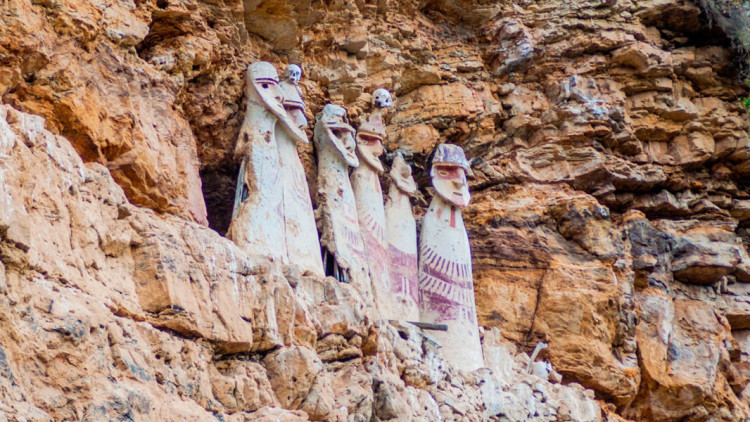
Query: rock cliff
{"x": 609, "y": 219}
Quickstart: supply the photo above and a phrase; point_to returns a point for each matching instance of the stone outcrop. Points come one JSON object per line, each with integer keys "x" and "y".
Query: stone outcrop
{"x": 76, "y": 65}
{"x": 609, "y": 218}
{"x": 111, "y": 311}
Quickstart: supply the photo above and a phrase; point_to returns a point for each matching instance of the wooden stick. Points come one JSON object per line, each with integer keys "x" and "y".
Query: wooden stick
{"x": 430, "y": 326}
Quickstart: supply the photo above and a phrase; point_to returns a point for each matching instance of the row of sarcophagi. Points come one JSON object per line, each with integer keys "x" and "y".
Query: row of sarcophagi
{"x": 352, "y": 234}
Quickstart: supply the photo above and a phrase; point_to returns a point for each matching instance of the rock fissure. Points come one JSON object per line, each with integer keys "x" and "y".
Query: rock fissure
{"x": 568, "y": 109}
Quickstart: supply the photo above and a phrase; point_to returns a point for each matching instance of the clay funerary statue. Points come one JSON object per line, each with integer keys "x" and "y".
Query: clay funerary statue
{"x": 271, "y": 188}
{"x": 343, "y": 250}
{"x": 402, "y": 243}
{"x": 446, "y": 287}
{"x": 370, "y": 210}
{"x": 303, "y": 246}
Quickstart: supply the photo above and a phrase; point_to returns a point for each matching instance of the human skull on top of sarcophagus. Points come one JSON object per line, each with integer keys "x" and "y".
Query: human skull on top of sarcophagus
{"x": 446, "y": 284}
{"x": 340, "y": 237}
{"x": 401, "y": 230}
{"x": 293, "y": 102}
{"x": 381, "y": 98}
{"x": 293, "y": 73}
{"x": 257, "y": 219}
{"x": 303, "y": 246}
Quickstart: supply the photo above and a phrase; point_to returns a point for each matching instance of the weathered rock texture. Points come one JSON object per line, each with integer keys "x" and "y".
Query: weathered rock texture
{"x": 110, "y": 312}
{"x": 610, "y": 218}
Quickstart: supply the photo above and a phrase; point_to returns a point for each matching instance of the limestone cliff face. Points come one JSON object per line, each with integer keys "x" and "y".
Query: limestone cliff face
{"x": 609, "y": 219}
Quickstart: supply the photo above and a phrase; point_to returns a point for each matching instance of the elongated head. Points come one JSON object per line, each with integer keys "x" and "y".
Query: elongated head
{"x": 401, "y": 175}
{"x": 263, "y": 80}
{"x": 264, "y": 89}
{"x": 449, "y": 173}
{"x": 370, "y": 137}
{"x": 332, "y": 126}
{"x": 294, "y": 105}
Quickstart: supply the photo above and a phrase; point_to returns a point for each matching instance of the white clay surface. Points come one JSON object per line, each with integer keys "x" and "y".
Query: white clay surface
{"x": 446, "y": 287}
{"x": 336, "y": 211}
{"x": 303, "y": 246}
{"x": 402, "y": 255}
{"x": 371, "y": 215}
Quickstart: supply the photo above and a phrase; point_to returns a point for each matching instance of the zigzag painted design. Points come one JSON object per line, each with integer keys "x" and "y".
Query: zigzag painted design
{"x": 374, "y": 226}
{"x": 444, "y": 269}
{"x": 446, "y": 289}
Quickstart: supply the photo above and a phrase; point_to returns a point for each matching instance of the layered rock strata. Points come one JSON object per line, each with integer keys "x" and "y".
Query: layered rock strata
{"x": 610, "y": 213}
{"x": 110, "y": 312}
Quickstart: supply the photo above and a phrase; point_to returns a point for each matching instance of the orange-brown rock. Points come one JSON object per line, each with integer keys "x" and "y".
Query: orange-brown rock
{"x": 110, "y": 311}
{"x": 610, "y": 214}
{"x": 76, "y": 65}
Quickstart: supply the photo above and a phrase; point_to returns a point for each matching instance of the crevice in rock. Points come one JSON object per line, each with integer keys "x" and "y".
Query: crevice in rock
{"x": 219, "y": 186}
{"x": 743, "y": 232}
{"x": 164, "y": 26}
{"x": 256, "y": 357}
{"x": 528, "y": 338}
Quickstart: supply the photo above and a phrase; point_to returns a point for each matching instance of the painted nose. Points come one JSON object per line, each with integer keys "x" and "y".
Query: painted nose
{"x": 458, "y": 183}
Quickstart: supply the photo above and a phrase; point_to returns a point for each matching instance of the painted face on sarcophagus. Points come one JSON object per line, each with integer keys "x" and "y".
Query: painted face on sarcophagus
{"x": 401, "y": 175}
{"x": 449, "y": 173}
{"x": 293, "y": 103}
{"x": 332, "y": 124}
{"x": 381, "y": 98}
{"x": 267, "y": 92}
{"x": 294, "y": 110}
{"x": 370, "y": 141}
{"x": 266, "y": 85}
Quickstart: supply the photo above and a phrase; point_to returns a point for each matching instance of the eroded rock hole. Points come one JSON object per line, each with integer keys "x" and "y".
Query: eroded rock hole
{"x": 219, "y": 185}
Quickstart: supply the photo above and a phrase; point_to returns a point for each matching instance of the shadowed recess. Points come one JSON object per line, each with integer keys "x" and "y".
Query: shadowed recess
{"x": 218, "y": 191}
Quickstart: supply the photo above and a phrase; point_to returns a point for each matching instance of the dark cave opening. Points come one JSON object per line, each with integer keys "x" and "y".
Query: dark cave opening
{"x": 219, "y": 186}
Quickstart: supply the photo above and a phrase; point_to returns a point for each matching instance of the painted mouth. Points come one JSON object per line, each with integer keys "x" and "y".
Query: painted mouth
{"x": 369, "y": 137}
{"x": 294, "y": 104}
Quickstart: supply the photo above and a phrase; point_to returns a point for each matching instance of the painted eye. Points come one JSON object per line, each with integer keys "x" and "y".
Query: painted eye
{"x": 443, "y": 173}
{"x": 265, "y": 86}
